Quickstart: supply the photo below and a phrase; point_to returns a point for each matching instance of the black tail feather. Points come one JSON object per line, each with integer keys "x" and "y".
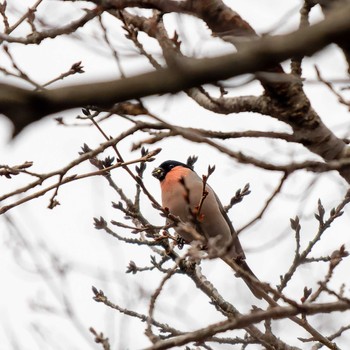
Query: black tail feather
{"x": 248, "y": 277}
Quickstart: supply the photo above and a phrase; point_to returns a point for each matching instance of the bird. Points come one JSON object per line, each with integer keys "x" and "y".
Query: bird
{"x": 183, "y": 196}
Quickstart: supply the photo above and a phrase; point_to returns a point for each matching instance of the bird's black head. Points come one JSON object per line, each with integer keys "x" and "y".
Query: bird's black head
{"x": 161, "y": 171}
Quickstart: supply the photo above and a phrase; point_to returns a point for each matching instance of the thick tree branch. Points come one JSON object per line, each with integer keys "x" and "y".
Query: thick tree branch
{"x": 24, "y": 107}
{"x": 327, "y": 7}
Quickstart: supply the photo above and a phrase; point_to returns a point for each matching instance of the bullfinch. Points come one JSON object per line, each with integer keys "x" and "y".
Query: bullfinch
{"x": 182, "y": 195}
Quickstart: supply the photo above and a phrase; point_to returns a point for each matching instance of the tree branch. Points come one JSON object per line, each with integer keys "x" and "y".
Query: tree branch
{"x": 24, "y": 107}
{"x": 245, "y": 320}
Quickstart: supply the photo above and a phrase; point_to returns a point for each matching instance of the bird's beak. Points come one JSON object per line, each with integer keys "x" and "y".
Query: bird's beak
{"x": 158, "y": 173}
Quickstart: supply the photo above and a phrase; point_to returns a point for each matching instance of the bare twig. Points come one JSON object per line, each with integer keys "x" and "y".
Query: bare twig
{"x": 267, "y": 204}
{"x": 331, "y": 88}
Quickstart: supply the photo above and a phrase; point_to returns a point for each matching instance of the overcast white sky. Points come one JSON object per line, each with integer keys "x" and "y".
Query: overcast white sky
{"x": 30, "y": 306}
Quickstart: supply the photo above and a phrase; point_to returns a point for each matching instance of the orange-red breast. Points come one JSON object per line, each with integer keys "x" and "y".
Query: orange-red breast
{"x": 182, "y": 191}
